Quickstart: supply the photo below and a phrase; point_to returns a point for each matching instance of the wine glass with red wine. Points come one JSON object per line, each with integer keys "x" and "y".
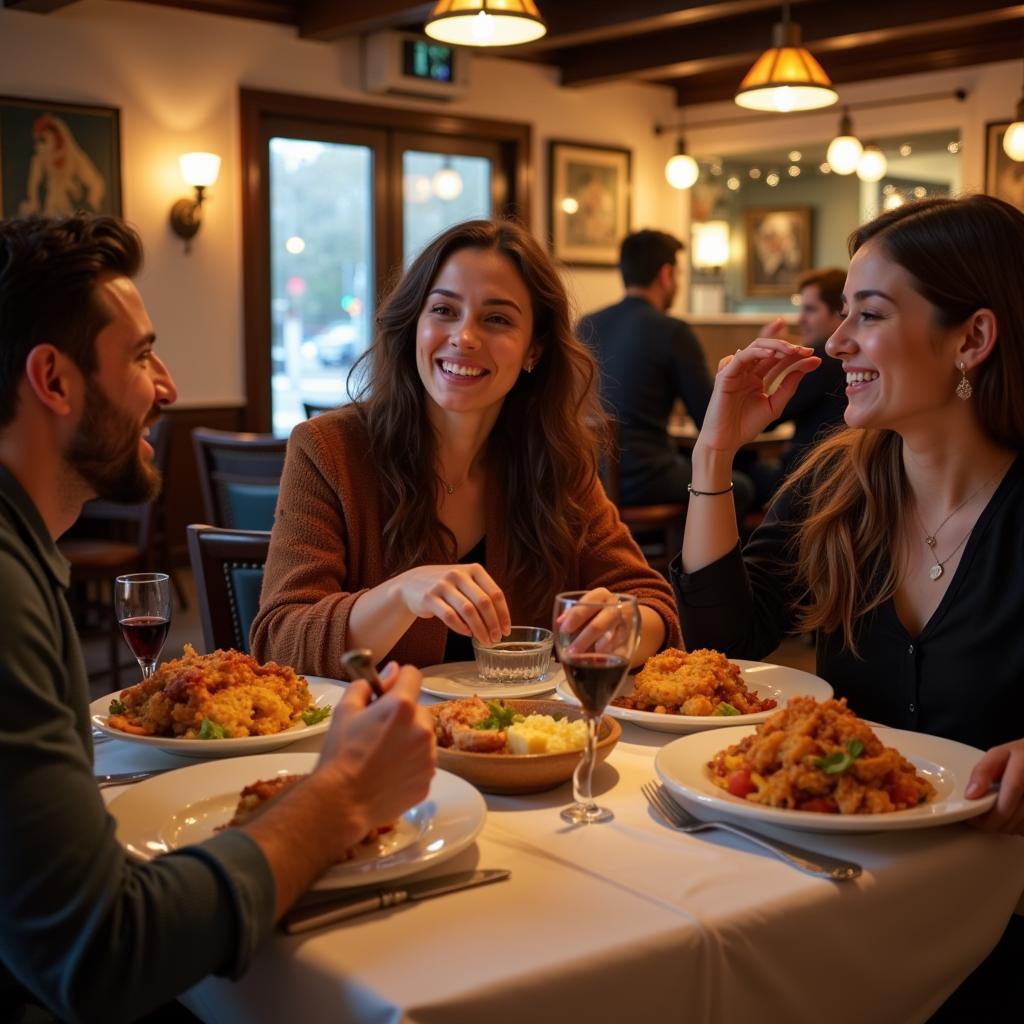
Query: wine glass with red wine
{"x": 596, "y": 638}
{"x": 142, "y": 603}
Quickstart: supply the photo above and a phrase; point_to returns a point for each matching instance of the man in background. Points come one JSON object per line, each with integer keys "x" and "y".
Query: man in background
{"x": 85, "y": 933}
{"x": 648, "y": 359}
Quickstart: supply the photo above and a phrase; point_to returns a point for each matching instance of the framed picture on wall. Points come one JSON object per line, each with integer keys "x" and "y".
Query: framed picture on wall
{"x": 1004, "y": 178}
{"x": 588, "y": 202}
{"x": 58, "y": 158}
{"x": 778, "y": 248}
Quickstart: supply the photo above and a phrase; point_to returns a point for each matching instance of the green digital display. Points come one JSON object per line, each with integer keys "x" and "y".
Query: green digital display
{"x": 430, "y": 61}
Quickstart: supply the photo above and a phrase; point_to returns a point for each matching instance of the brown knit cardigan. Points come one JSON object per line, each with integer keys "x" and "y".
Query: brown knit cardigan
{"x": 327, "y": 549}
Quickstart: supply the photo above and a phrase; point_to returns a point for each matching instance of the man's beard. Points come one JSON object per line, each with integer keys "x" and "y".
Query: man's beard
{"x": 105, "y": 452}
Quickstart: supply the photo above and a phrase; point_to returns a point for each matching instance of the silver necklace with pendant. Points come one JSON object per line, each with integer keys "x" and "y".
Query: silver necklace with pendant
{"x": 935, "y": 573}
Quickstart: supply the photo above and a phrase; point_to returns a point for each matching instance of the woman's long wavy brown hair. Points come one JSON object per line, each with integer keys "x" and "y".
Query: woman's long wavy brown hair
{"x": 547, "y": 439}
{"x": 962, "y": 255}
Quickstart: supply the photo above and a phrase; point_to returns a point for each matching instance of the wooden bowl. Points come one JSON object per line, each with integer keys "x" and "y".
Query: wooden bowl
{"x": 527, "y": 773}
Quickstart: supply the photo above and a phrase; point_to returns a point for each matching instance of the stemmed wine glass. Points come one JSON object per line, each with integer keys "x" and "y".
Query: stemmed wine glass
{"x": 142, "y": 604}
{"x": 596, "y": 634}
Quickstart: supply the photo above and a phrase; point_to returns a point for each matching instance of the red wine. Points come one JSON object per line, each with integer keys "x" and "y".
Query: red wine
{"x": 145, "y": 635}
{"x": 594, "y": 678}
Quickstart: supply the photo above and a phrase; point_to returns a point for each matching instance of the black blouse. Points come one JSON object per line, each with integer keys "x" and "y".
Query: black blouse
{"x": 458, "y": 647}
{"x": 961, "y": 677}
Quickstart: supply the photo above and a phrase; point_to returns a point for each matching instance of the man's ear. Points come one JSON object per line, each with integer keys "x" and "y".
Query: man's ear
{"x": 665, "y": 276}
{"x": 49, "y": 374}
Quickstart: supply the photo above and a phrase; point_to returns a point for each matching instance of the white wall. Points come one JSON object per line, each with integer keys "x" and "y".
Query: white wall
{"x": 175, "y": 77}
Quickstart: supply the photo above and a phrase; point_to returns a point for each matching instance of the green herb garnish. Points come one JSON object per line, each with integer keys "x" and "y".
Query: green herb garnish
{"x": 210, "y": 730}
{"x": 116, "y": 707}
{"x": 726, "y": 710}
{"x": 313, "y": 715}
{"x": 501, "y": 717}
{"x": 838, "y": 761}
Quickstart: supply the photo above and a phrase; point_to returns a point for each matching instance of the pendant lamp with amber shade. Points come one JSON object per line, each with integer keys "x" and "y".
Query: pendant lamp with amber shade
{"x": 485, "y": 22}
{"x": 786, "y": 77}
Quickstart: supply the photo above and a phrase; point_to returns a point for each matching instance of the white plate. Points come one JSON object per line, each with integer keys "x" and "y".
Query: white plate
{"x": 185, "y": 806}
{"x": 459, "y": 679}
{"x": 770, "y": 681}
{"x": 325, "y": 692}
{"x": 682, "y": 766}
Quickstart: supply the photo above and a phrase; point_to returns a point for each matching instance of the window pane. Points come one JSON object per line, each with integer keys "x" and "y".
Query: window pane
{"x": 440, "y": 190}
{"x": 321, "y": 271}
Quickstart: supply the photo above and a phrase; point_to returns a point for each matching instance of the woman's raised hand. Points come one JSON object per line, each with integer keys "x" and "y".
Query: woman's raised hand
{"x": 753, "y": 387}
{"x": 463, "y": 597}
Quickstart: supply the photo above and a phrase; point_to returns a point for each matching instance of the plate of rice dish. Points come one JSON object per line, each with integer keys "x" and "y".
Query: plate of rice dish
{"x": 193, "y": 803}
{"x": 688, "y": 691}
{"x": 222, "y": 704}
{"x": 818, "y": 767}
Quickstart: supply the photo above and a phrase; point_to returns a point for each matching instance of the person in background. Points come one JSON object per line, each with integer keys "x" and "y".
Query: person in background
{"x": 899, "y": 541}
{"x": 85, "y": 932}
{"x": 649, "y": 359}
{"x": 459, "y": 493}
{"x": 818, "y": 405}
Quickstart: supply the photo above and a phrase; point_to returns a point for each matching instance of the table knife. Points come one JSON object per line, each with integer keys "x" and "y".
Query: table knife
{"x": 330, "y": 911}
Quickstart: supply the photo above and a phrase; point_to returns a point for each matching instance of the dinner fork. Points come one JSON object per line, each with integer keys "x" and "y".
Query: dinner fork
{"x": 818, "y": 864}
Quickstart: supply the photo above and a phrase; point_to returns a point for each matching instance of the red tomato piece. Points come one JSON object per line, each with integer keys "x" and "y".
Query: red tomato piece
{"x": 820, "y": 804}
{"x": 739, "y": 782}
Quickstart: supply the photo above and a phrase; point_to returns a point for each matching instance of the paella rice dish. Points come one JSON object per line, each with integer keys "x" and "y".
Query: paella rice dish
{"x": 814, "y": 756}
{"x": 700, "y": 682}
{"x": 223, "y": 695}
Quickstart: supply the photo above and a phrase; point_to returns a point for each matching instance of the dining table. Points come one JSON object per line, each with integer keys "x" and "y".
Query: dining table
{"x": 632, "y": 920}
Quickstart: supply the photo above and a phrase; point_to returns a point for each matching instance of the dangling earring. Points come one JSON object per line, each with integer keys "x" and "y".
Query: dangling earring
{"x": 964, "y": 389}
{"x": 528, "y": 367}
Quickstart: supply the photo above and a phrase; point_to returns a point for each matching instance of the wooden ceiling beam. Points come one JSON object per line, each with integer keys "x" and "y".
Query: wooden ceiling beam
{"x": 37, "y": 6}
{"x": 331, "y": 19}
{"x": 735, "y": 42}
{"x": 279, "y": 11}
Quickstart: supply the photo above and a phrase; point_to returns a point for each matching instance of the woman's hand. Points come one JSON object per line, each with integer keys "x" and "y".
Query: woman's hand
{"x": 463, "y": 597}
{"x": 1003, "y": 764}
{"x": 752, "y": 388}
{"x": 605, "y": 630}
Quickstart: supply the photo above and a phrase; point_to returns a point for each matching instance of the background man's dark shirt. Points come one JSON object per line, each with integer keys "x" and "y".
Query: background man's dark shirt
{"x": 647, "y": 360}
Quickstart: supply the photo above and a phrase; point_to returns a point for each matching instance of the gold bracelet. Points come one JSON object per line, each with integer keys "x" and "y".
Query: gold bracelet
{"x": 708, "y": 494}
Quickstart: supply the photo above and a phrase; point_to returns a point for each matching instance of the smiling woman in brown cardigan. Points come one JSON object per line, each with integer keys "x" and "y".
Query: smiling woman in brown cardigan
{"x": 459, "y": 494}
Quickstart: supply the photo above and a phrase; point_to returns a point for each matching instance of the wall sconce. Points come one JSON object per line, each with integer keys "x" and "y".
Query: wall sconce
{"x": 710, "y": 245}
{"x": 199, "y": 170}
{"x": 681, "y": 170}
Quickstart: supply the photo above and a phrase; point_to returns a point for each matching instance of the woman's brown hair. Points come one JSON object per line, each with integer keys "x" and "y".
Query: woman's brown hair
{"x": 547, "y": 437}
{"x": 962, "y": 256}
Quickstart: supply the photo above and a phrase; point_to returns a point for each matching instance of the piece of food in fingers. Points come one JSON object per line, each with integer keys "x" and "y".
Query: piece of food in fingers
{"x": 776, "y": 381}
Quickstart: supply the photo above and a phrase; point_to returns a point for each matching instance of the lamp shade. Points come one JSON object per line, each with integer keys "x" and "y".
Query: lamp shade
{"x": 873, "y": 164}
{"x": 199, "y": 169}
{"x": 485, "y": 22}
{"x": 710, "y": 244}
{"x": 1013, "y": 141}
{"x": 786, "y": 77}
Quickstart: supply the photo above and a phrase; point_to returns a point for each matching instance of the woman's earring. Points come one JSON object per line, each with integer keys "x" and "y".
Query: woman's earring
{"x": 528, "y": 367}
{"x": 964, "y": 389}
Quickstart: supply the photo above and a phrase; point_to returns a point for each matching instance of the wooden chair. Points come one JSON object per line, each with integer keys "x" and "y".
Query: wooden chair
{"x": 240, "y": 475}
{"x": 228, "y": 570}
{"x": 658, "y": 529}
{"x": 129, "y": 538}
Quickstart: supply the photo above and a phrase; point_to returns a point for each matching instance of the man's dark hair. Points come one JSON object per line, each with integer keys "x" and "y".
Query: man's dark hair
{"x": 830, "y": 283}
{"x": 644, "y": 253}
{"x": 49, "y": 267}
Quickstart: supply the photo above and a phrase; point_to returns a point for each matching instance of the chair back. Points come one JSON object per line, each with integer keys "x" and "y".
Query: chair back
{"x": 228, "y": 569}
{"x": 240, "y": 475}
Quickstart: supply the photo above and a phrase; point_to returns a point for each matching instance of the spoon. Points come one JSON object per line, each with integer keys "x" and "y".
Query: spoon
{"x": 358, "y": 663}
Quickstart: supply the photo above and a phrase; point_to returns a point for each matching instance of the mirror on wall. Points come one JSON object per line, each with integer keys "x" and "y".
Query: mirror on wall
{"x": 760, "y": 220}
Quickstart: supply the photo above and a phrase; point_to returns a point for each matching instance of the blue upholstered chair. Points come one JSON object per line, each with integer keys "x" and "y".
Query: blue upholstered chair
{"x": 228, "y": 570}
{"x": 239, "y": 475}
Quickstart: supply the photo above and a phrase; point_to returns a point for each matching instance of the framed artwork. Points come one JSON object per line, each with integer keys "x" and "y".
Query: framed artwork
{"x": 588, "y": 202}
{"x": 1004, "y": 178}
{"x": 778, "y": 248}
{"x": 58, "y": 158}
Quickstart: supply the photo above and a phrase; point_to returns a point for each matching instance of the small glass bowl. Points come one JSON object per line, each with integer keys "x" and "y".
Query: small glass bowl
{"x": 523, "y": 654}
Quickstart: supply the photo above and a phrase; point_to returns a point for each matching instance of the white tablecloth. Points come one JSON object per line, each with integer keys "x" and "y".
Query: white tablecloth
{"x": 631, "y": 921}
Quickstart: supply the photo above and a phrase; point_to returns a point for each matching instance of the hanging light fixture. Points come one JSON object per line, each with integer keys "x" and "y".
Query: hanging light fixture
{"x": 485, "y": 22}
{"x": 446, "y": 184}
{"x": 786, "y": 77}
{"x": 873, "y": 164}
{"x": 681, "y": 171}
{"x": 845, "y": 150}
{"x": 1013, "y": 137}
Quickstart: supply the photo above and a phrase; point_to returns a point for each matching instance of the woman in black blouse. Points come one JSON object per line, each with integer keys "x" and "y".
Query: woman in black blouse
{"x": 900, "y": 541}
